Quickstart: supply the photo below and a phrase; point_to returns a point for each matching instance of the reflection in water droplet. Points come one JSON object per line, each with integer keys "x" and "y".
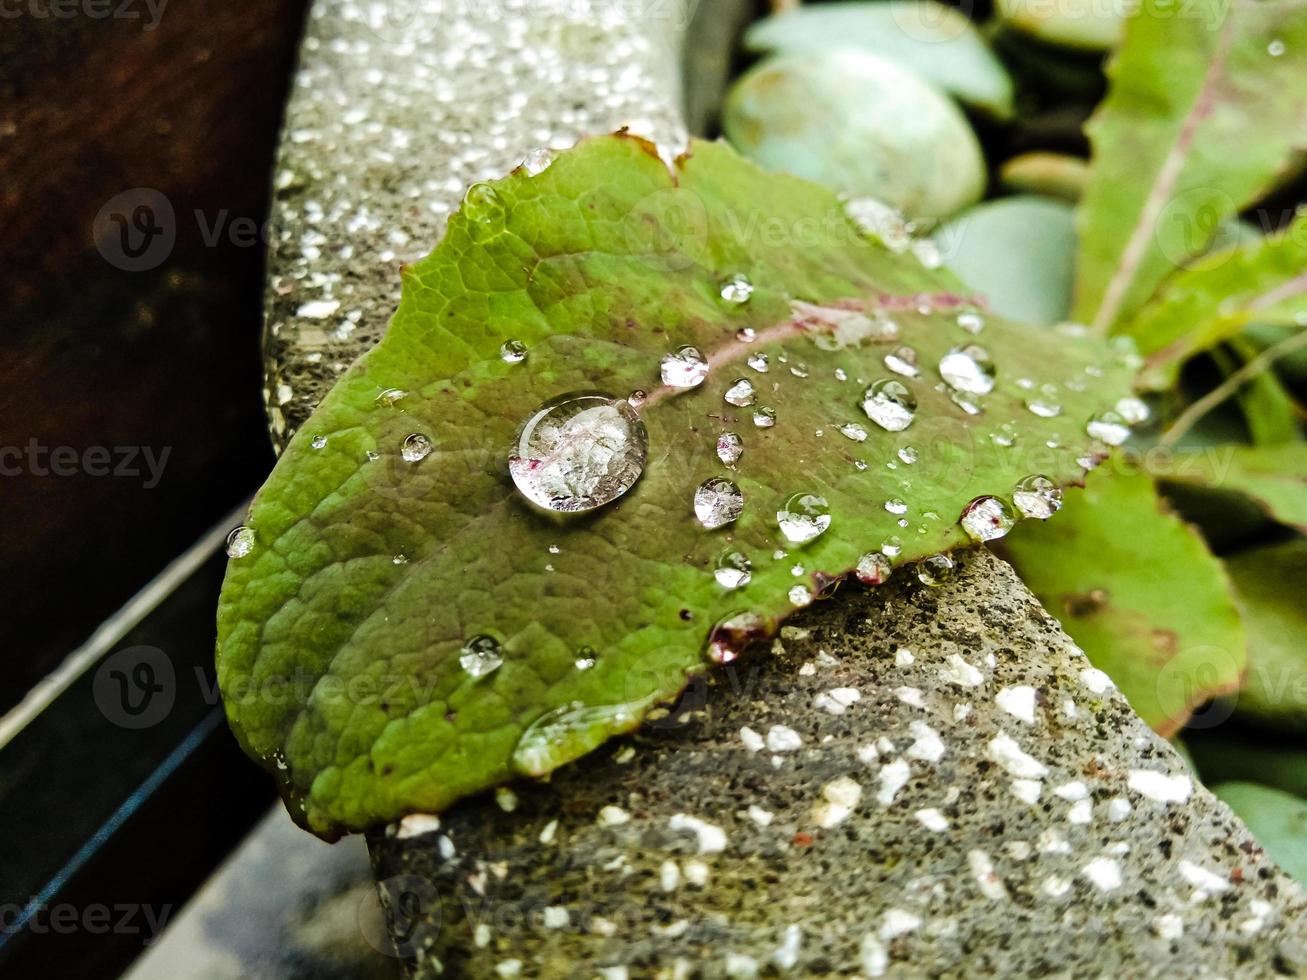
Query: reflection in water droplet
{"x": 987, "y": 519}
{"x": 399, "y": 560}
{"x": 759, "y": 362}
{"x": 804, "y": 517}
{"x": 908, "y": 455}
{"x": 935, "y": 570}
{"x": 873, "y": 568}
{"x": 764, "y": 417}
{"x": 890, "y": 404}
{"x": 579, "y": 452}
{"x": 896, "y": 505}
{"x": 318, "y": 442}
{"x": 734, "y": 570}
{"x": 737, "y": 289}
{"x": 1132, "y": 410}
{"x": 513, "y": 352}
{"x": 968, "y": 368}
{"x": 1109, "y": 427}
{"x": 730, "y": 448}
{"x": 717, "y": 501}
{"x": 854, "y": 431}
{"x": 537, "y": 161}
{"x": 800, "y": 596}
{"x": 416, "y": 448}
{"x": 892, "y": 546}
{"x": 240, "y": 542}
{"x": 685, "y": 367}
{"x": 746, "y": 335}
{"x": 1038, "y": 497}
{"x": 741, "y": 394}
{"x": 903, "y": 361}
{"x": 481, "y": 656}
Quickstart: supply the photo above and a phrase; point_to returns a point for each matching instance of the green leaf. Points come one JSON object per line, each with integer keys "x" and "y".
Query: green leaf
{"x": 1212, "y": 301}
{"x": 1139, "y": 591}
{"x": 339, "y": 664}
{"x": 1277, "y": 819}
{"x": 930, "y": 39}
{"x": 1019, "y": 252}
{"x": 1269, "y": 581}
{"x": 1200, "y": 120}
{"x": 1084, "y": 25}
{"x": 1274, "y": 477}
{"x": 1269, "y": 410}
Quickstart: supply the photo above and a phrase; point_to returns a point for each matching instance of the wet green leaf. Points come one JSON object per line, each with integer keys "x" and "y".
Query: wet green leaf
{"x": 1274, "y": 477}
{"x": 1214, "y": 299}
{"x": 342, "y": 630}
{"x": 1019, "y": 252}
{"x": 1203, "y": 114}
{"x": 931, "y": 40}
{"x": 1269, "y": 581}
{"x": 1277, "y": 819}
{"x": 1137, "y": 589}
{"x": 861, "y": 124}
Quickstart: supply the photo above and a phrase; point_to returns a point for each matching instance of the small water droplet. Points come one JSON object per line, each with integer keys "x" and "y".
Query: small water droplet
{"x": 537, "y": 161}
{"x": 484, "y": 210}
{"x": 1108, "y": 427}
{"x": 892, "y": 546}
{"x": 318, "y": 442}
{"x": 927, "y": 252}
{"x": 240, "y": 542}
{"x": 637, "y": 397}
{"x": 1043, "y": 407}
{"x": 804, "y": 517}
{"x": 586, "y": 658}
{"x": 481, "y": 656}
{"x": 758, "y": 361}
{"x": 1132, "y": 410}
{"x": 908, "y": 455}
{"x": 896, "y": 505}
{"x": 873, "y": 569}
{"x": 935, "y": 570}
{"x": 841, "y": 374}
{"x": 717, "y": 502}
{"x": 734, "y": 570}
{"x": 579, "y": 452}
{"x": 372, "y": 455}
{"x": 903, "y": 361}
{"x": 730, "y": 448}
{"x": 1276, "y": 48}
{"x": 391, "y": 396}
{"x": 737, "y": 289}
{"x": 971, "y": 322}
{"x": 685, "y": 367}
{"x": 968, "y": 368}
{"x": 746, "y": 335}
{"x": 890, "y": 404}
{"x": 987, "y": 519}
{"x": 854, "y": 431}
{"x": 1038, "y": 497}
{"x": 416, "y": 447}
{"x": 741, "y": 393}
{"x": 1004, "y": 435}
{"x": 399, "y": 560}
{"x": 860, "y": 465}
{"x": 800, "y": 596}
{"x": 963, "y": 402}
{"x": 513, "y": 352}
{"x": 764, "y": 417}
{"x": 799, "y": 369}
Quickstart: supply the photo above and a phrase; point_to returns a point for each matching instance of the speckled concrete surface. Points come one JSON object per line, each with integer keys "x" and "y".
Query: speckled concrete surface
{"x": 914, "y": 782}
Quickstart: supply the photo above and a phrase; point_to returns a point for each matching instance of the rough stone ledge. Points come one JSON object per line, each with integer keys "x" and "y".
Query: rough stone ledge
{"x": 1016, "y": 818}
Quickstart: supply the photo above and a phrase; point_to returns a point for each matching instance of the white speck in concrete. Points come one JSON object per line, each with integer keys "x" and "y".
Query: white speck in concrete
{"x": 612, "y": 816}
{"x": 669, "y": 876}
{"x": 837, "y": 700}
{"x": 781, "y": 738}
{"x": 1160, "y": 787}
{"x": 1096, "y": 680}
{"x": 1052, "y": 842}
{"x": 1072, "y": 791}
{"x": 885, "y": 745}
{"x": 509, "y": 968}
{"x": 1027, "y": 790}
{"x": 751, "y": 739}
{"x": 867, "y": 754}
{"x": 1081, "y": 812}
{"x": 417, "y": 824}
{"x": 893, "y": 775}
{"x": 982, "y": 869}
{"x": 808, "y": 669}
{"x": 549, "y": 831}
{"x": 620, "y": 972}
{"x": 1055, "y": 887}
{"x": 873, "y": 957}
{"x": 1261, "y": 912}
{"x": 928, "y": 745}
{"x": 1069, "y": 709}
{"x": 903, "y": 657}
{"x": 1104, "y": 872}
{"x": 506, "y": 799}
{"x": 1004, "y": 750}
{"x": 712, "y": 839}
{"x": 932, "y": 819}
{"x": 1118, "y": 808}
{"x": 761, "y": 817}
{"x": 910, "y": 696}
{"x": 556, "y": 917}
{"x": 481, "y": 935}
{"x": 787, "y": 954}
{"x": 1018, "y": 701}
{"x": 961, "y": 673}
{"x": 1018, "y": 850}
{"x": 696, "y": 873}
{"x": 1169, "y": 926}
{"x": 319, "y": 309}
{"x": 446, "y": 847}
{"x": 898, "y": 922}
{"x": 1201, "y": 878}
{"x": 741, "y": 967}
{"x": 840, "y": 798}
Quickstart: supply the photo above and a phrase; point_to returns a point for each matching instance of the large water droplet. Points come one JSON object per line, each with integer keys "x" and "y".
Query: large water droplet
{"x": 890, "y": 404}
{"x": 935, "y": 570}
{"x": 903, "y": 361}
{"x": 481, "y": 656}
{"x": 1108, "y": 427}
{"x": 737, "y": 289}
{"x": 968, "y": 368}
{"x": 717, "y": 501}
{"x": 764, "y": 417}
{"x": 734, "y": 570}
{"x": 685, "y": 367}
{"x": 240, "y": 542}
{"x": 730, "y": 448}
{"x": 579, "y": 452}
{"x": 1038, "y": 497}
{"x": 987, "y": 519}
{"x": 513, "y": 352}
{"x": 804, "y": 517}
{"x": 485, "y": 211}
{"x": 741, "y": 394}
{"x": 416, "y": 448}
{"x": 873, "y": 568}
